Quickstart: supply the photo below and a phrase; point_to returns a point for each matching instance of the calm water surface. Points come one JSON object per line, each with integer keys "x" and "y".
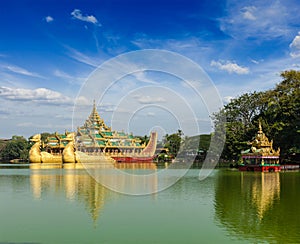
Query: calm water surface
{"x": 68, "y": 206}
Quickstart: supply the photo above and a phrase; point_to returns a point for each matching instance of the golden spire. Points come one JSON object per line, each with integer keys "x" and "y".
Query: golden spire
{"x": 94, "y": 107}
{"x": 94, "y": 116}
{"x": 259, "y": 127}
{"x": 94, "y": 121}
{"x": 262, "y": 142}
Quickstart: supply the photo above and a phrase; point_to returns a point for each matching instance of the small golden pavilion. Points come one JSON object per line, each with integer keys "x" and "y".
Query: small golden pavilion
{"x": 261, "y": 156}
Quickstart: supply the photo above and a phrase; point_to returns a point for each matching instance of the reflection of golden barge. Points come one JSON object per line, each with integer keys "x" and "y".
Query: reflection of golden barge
{"x": 93, "y": 142}
{"x": 261, "y": 156}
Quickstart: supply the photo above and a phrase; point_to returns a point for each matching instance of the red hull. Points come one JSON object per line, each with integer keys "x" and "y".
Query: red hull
{"x": 260, "y": 168}
{"x": 133, "y": 159}
{"x": 148, "y": 150}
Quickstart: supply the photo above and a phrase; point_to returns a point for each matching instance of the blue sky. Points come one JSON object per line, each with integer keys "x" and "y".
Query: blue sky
{"x": 49, "y": 48}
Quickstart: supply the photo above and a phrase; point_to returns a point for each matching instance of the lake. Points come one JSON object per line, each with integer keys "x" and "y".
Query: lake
{"x": 69, "y": 206}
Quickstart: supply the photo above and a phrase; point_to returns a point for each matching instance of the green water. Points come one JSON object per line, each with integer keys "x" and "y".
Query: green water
{"x": 68, "y": 206}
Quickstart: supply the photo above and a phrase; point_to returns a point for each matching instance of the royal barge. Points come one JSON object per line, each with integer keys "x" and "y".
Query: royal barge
{"x": 94, "y": 141}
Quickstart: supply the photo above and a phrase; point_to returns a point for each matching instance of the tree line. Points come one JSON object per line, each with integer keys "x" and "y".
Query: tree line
{"x": 278, "y": 109}
{"x": 15, "y": 148}
{"x": 18, "y": 147}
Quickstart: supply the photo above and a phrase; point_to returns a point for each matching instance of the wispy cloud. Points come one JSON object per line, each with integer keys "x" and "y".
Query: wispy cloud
{"x": 3, "y": 112}
{"x": 41, "y": 95}
{"x": 255, "y": 61}
{"x": 49, "y": 19}
{"x": 48, "y": 126}
{"x": 151, "y": 114}
{"x": 82, "y": 58}
{"x": 295, "y": 46}
{"x": 230, "y": 67}
{"x": 69, "y": 78}
{"x": 249, "y": 13}
{"x": 141, "y": 76}
{"x": 149, "y": 99}
{"x": 183, "y": 45}
{"x": 20, "y": 71}
{"x": 261, "y": 19}
{"x": 86, "y": 18}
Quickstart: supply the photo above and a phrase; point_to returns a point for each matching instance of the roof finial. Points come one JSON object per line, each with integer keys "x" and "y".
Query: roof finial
{"x": 259, "y": 126}
{"x": 94, "y": 107}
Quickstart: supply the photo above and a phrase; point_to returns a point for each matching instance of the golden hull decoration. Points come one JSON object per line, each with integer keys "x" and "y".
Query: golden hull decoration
{"x": 69, "y": 156}
{"x": 95, "y": 143}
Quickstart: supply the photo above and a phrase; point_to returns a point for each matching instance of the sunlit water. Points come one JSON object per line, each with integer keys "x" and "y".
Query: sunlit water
{"x": 68, "y": 206}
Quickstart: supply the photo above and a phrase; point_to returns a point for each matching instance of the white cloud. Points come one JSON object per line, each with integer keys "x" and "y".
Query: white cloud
{"x": 186, "y": 45}
{"x": 88, "y": 18}
{"x": 61, "y": 74}
{"x": 263, "y": 77}
{"x": 249, "y": 13}
{"x": 255, "y": 61}
{"x": 149, "y": 99}
{"x": 262, "y": 19}
{"x": 41, "y": 95}
{"x": 295, "y": 46}
{"x": 141, "y": 76}
{"x": 296, "y": 42}
{"x": 227, "y": 99}
{"x": 83, "y": 101}
{"x": 49, "y": 19}
{"x": 151, "y": 114}
{"x": 19, "y": 70}
{"x": 230, "y": 67}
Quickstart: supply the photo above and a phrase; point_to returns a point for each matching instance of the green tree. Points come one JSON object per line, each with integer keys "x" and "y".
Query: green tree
{"x": 278, "y": 109}
{"x": 204, "y": 142}
{"x": 16, "y": 148}
{"x": 282, "y": 116}
{"x": 240, "y": 114}
{"x": 173, "y": 141}
{"x": 44, "y": 136}
{"x": 2, "y": 145}
{"x": 144, "y": 139}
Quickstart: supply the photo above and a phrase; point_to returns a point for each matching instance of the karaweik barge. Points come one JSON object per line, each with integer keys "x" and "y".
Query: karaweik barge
{"x": 92, "y": 142}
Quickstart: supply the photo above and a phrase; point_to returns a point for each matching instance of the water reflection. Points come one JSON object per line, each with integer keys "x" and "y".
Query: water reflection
{"x": 76, "y": 185}
{"x": 254, "y": 205}
{"x": 133, "y": 179}
{"x": 265, "y": 190}
{"x": 69, "y": 206}
{"x": 83, "y": 185}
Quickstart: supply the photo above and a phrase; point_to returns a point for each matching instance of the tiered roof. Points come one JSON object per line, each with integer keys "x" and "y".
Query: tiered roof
{"x": 95, "y": 133}
{"x": 95, "y": 123}
{"x": 57, "y": 140}
{"x": 261, "y": 145}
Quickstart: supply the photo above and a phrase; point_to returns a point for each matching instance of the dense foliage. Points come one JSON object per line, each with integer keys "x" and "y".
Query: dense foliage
{"x": 277, "y": 109}
{"x": 16, "y": 148}
{"x": 173, "y": 141}
{"x": 195, "y": 143}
